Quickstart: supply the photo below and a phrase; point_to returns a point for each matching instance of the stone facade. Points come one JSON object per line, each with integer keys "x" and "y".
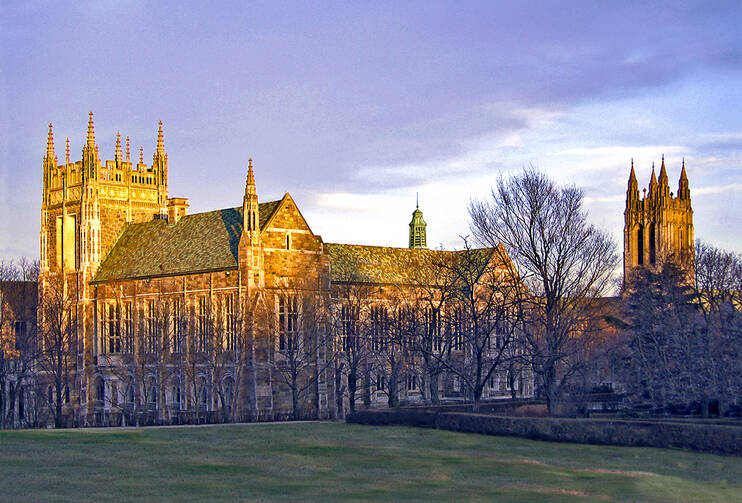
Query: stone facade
{"x": 230, "y": 314}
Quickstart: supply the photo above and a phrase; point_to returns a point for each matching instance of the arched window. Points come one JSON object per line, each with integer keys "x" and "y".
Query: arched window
{"x": 100, "y": 389}
{"x": 640, "y": 245}
{"x": 130, "y": 391}
{"x": 203, "y": 392}
{"x": 177, "y": 395}
{"x": 652, "y": 250}
{"x": 152, "y": 392}
{"x": 228, "y": 391}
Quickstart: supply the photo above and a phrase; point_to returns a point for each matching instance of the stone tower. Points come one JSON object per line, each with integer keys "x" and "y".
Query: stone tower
{"x": 659, "y": 225}
{"x": 417, "y": 229}
{"x": 85, "y": 206}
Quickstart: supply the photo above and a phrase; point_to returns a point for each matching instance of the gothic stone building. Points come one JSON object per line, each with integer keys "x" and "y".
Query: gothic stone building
{"x": 175, "y": 312}
{"x": 659, "y": 225}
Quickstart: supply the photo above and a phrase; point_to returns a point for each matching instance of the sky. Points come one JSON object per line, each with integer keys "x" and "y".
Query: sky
{"x": 355, "y": 107}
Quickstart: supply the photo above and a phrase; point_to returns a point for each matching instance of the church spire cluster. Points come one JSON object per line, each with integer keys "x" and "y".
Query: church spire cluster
{"x": 659, "y": 225}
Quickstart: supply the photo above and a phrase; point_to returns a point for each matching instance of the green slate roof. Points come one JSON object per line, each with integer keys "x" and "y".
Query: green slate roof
{"x": 384, "y": 264}
{"x": 200, "y": 242}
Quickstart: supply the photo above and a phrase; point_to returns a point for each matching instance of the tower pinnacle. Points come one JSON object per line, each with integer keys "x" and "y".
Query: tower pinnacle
{"x": 663, "y": 181}
{"x": 118, "y": 148}
{"x": 67, "y": 152}
{"x": 160, "y": 141}
{"x": 250, "y": 175}
{"x": 127, "y": 149}
{"x": 91, "y": 130}
{"x": 50, "y": 144}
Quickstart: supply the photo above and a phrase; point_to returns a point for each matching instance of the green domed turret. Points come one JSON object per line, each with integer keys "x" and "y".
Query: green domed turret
{"x": 417, "y": 229}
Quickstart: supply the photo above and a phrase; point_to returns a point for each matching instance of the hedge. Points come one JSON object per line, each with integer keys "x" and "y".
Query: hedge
{"x": 709, "y": 438}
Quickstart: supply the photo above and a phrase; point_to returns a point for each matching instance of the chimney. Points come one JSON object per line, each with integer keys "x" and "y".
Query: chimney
{"x": 176, "y": 207}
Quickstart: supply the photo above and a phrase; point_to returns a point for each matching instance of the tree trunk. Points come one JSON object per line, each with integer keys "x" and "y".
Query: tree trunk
{"x": 433, "y": 389}
{"x": 476, "y": 398}
{"x": 352, "y": 391}
{"x": 294, "y": 397}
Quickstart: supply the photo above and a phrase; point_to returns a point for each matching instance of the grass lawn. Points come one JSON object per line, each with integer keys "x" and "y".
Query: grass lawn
{"x": 341, "y": 462}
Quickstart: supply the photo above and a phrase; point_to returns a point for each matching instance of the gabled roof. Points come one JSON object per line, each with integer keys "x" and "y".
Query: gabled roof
{"x": 200, "y": 242}
{"x": 386, "y": 265}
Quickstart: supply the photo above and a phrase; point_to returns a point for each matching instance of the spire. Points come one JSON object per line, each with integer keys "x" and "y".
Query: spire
{"x": 652, "y": 181}
{"x": 250, "y": 175}
{"x": 118, "y": 148}
{"x": 160, "y": 141}
{"x": 141, "y": 155}
{"x": 663, "y": 173}
{"x": 50, "y": 144}
{"x": 91, "y": 130}
{"x": 67, "y": 152}
{"x": 417, "y": 200}
{"x": 127, "y": 149}
{"x": 250, "y": 208}
{"x": 632, "y": 193}
{"x": 683, "y": 189}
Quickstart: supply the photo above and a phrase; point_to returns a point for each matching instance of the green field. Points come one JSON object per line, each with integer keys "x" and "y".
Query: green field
{"x": 340, "y": 462}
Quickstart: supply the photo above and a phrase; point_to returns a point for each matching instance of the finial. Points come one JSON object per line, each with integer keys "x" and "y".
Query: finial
{"x": 67, "y": 152}
{"x": 91, "y": 130}
{"x": 160, "y": 141}
{"x": 127, "y": 149}
{"x": 417, "y": 200}
{"x": 141, "y": 155}
{"x": 118, "y": 147}
{"x": 50, "y": 143}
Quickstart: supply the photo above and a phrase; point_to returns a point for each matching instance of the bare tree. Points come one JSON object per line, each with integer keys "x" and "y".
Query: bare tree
{"x": 718, "y": 290}
{"x": 57, "y": 338}
{"x": 481, "y": 318}
{"x": 390, "y": 337}
{"x": 684, "y": 343}
{"x": 565, "y": 262}
{"x": 435, "y": 283}
{"x": 352, "y": 346}
{"x": 301, "y": 352}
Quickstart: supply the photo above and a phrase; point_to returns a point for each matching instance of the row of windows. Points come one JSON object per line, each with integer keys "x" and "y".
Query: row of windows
{"x": 117, "y": 326}
{"x": 150, "y": 394}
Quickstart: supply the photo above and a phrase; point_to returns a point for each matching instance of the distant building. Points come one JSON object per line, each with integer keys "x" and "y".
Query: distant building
{"x": 17, "y": 336}
{"x": 659, "y": 224}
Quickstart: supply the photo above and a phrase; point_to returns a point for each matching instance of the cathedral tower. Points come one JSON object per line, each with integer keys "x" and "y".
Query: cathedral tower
{"x": 658, "y": 225}
{"x": 417, "y": 229}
